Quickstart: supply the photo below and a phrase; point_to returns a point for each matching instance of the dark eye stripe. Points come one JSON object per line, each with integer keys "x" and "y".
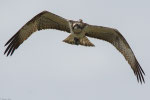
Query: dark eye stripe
{"x": 78, "y": 26}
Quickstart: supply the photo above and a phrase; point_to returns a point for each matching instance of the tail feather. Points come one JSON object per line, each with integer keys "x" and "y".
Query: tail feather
{"x": 83, "y": 41}
{"x": 69, "y": 39}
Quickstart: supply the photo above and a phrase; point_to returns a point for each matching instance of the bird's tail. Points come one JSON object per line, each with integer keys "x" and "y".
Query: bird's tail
{"x": 83, "y": 41}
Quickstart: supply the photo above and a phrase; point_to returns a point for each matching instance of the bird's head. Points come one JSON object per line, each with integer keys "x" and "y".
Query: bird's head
{"x": 78, "y": 24}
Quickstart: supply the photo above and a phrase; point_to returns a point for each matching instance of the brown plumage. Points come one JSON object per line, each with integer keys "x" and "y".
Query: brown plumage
{"x": 79, "y": 31}
{"x": 44, "y": 20}
{"x": 114, "y": 37}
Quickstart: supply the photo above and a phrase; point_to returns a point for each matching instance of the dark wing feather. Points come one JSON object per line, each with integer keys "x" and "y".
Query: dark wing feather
{"x": 44, "y": 20}
{"x": 114, "y": 37}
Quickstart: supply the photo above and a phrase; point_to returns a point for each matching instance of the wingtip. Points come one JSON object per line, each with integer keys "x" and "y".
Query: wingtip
{"x": 140, "y": 78}
{"x": 6, "y": 44}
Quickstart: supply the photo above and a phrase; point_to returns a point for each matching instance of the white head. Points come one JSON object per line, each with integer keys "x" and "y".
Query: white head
{"x": 78, "y": 24}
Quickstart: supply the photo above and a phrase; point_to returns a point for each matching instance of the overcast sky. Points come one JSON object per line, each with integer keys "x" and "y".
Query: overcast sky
{"x": 45, "y": 68}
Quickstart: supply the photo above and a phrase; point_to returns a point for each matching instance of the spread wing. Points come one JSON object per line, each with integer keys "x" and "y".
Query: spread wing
{"x": 44, "y": 20}
{"x": 114, "y": 37}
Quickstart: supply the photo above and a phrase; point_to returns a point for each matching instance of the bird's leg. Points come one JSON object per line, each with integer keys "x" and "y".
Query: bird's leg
{"x": 76, "y": 40}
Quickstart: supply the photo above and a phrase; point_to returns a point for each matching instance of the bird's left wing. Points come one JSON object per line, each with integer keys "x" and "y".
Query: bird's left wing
{"x": 114, "y": 37}
{"x": 44, "y": 20}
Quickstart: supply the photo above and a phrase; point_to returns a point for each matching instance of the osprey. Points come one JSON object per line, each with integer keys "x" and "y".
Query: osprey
{"x": 79, "y": 32}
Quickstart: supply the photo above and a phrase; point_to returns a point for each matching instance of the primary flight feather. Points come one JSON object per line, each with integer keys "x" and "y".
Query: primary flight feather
{"x": 79, "y": 30}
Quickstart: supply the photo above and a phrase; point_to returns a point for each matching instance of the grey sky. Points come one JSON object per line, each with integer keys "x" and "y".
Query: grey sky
{"x": 45, "y": 68}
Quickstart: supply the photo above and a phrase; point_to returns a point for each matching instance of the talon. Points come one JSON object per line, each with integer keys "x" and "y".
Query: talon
{"x": 76, "y": 41}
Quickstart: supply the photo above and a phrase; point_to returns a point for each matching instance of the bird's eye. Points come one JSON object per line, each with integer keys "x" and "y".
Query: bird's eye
{"x": 77, "y": 26}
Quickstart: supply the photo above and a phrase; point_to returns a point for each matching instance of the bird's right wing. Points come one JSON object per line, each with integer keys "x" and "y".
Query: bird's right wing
{"x": 44, "y": 20}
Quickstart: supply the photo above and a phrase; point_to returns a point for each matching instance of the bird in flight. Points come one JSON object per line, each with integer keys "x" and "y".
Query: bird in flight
{"x": 79, "y": 31}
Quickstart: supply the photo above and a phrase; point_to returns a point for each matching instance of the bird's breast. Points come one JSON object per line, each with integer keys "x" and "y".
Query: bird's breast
{"x": 79, "y": 35}
{"x": 77, "y": 31}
